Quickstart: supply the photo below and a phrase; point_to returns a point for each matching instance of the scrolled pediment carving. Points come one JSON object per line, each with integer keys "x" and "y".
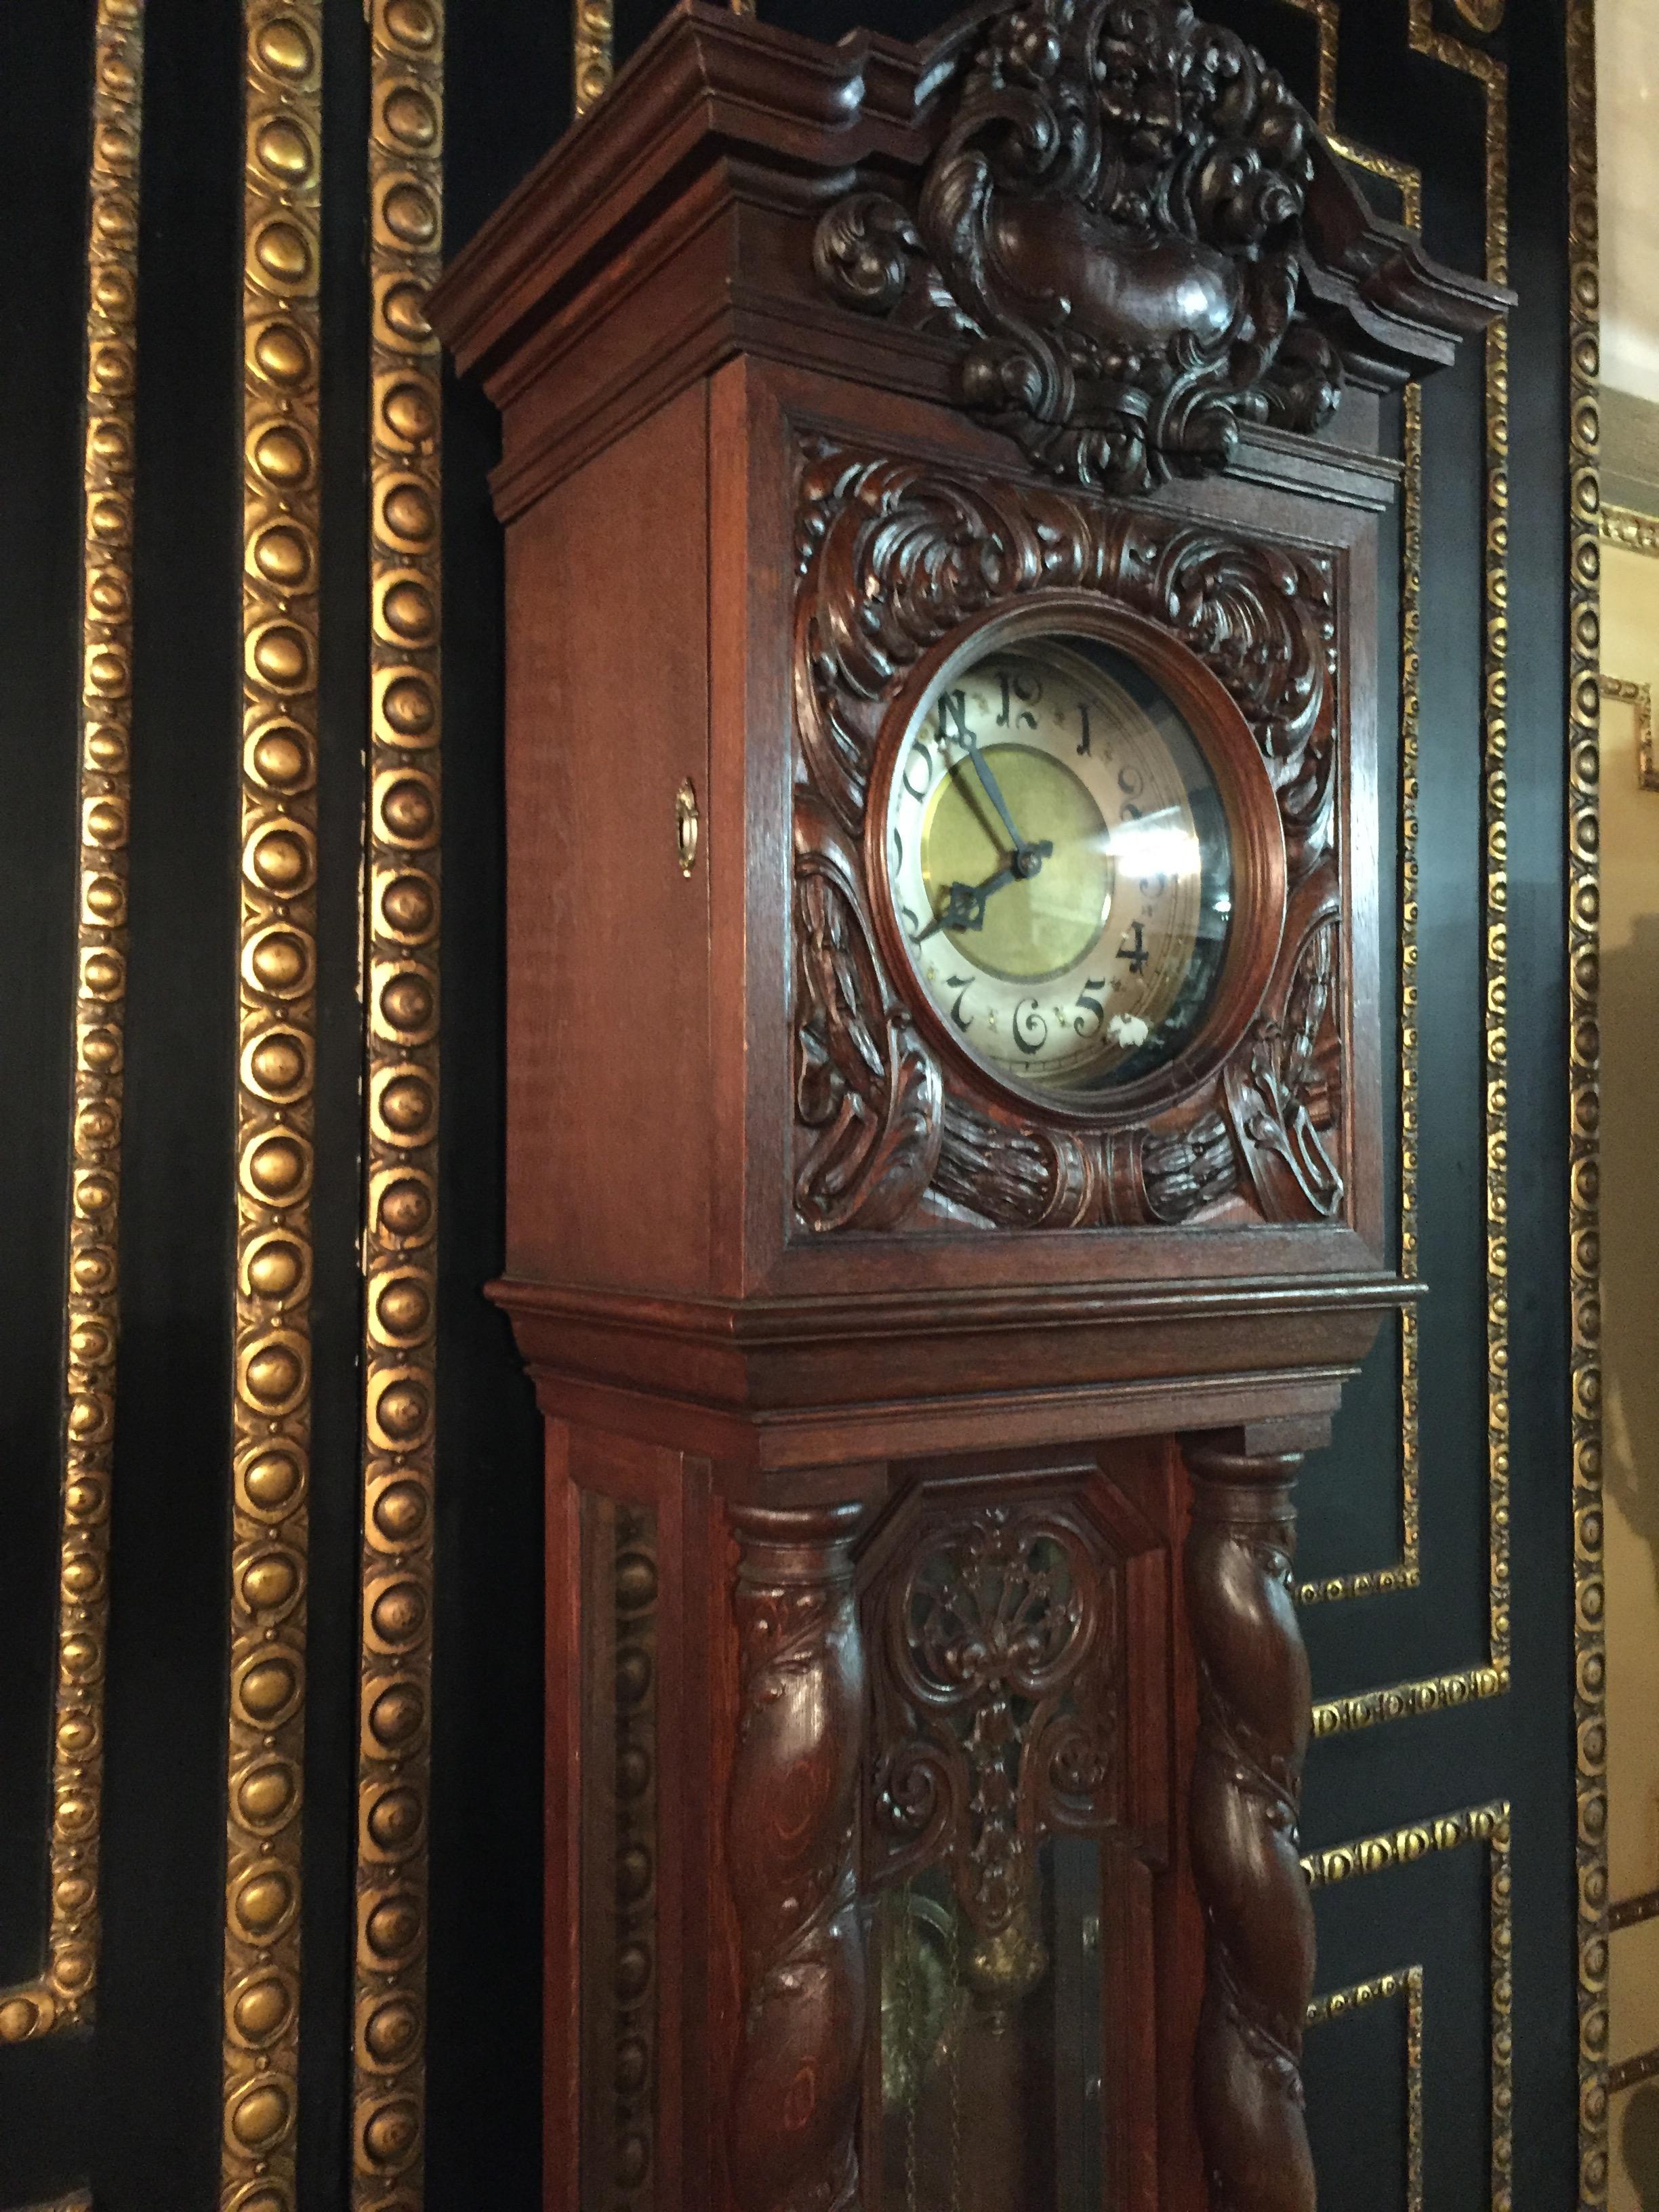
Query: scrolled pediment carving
{"x": 1111, "y": 230}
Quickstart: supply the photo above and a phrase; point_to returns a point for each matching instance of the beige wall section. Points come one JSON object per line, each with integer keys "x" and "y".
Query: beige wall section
{"x": 1630, "y": 1285}
{"x": 1627, "y": 124}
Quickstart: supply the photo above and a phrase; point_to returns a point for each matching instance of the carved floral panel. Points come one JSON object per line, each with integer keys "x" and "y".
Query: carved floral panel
{"x": 893, "y": 556}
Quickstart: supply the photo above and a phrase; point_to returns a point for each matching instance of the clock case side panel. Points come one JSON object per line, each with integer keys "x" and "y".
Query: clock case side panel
{"x": 1327, "y": 504}
{"x": 611, "y": 1077}
{"x": 641, "y": 1973}
{"x": 751, "y": 593}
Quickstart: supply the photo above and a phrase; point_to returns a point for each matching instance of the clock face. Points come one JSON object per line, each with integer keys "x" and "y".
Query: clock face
{"x": 1060, "y": 867}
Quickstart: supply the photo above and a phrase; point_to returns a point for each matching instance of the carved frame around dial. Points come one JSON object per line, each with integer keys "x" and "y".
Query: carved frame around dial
{"x": 906, "y": 569}
{"x": 1256, "y": 837}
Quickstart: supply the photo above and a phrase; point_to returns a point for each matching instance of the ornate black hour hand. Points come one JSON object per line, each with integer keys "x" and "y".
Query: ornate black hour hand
{"x": 965, "y": 904}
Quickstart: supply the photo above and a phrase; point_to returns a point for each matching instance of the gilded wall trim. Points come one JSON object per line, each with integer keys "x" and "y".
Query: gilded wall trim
{"x": 1640, "y": 697}
{"x": 399, "y": 1249}
{"x": 1409, "y": 1573}
{"x": 593, "y": 47}
{"x": 594, "y": 40}
{"x": 1629, "y": 2071}
{"x": 1405, "y": 1572}
{"x": 1400, "y": 1700}
{"x": 1583, "y": 1103}
{"x": 62, "y": 1995}
{"x": 1405, "y": 1982}
{"x": 276, "y": 1022}
{"x": 1494, "y": 1678}
{"x": 1488, "y": 1825}
{"x": 1627, "y": 527}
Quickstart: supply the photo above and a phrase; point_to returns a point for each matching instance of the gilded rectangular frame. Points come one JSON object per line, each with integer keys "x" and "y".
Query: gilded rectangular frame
{"x": 63, "y": 1994}
{"x": 1487, "y": 1824}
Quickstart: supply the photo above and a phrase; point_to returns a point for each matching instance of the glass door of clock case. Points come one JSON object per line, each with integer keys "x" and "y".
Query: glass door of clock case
{"x": 992, "y": 2059}
{"x": 1010, "y": 1802}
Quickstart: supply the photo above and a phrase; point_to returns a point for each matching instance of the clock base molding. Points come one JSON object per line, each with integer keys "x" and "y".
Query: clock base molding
{"x": 773, "y": 1389}
{"x": 945, "y": 506}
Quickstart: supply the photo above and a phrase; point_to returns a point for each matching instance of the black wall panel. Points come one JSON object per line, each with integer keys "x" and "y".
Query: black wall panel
{"x": 132, "y": 2107}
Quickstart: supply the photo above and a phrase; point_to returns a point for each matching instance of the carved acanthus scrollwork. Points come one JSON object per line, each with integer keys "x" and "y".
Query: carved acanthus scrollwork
{"x": 1056, "y": 1179}
{"x": 1263, "y": 620}
{"x": 1253, "y": 1721}
{"x": 895, "y": 556}
{"x": 1110, "y": 228}
{"x": 1189, "y": 1169}
{"x": 995, "y": 1708}
{"x": 1282, "y": 1089}
{"x": 1020, "y": 1179}
{"x": 865, "y": 1085}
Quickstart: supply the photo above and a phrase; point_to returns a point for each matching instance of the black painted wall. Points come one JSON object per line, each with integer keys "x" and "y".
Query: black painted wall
{"x": 133, "y": 2107}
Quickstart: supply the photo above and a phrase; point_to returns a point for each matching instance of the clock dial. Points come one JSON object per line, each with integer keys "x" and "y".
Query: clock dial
{"x": 1060, "y": 868}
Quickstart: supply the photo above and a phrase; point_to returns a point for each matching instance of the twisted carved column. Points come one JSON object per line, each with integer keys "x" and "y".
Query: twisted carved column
{"x": 791, "y": 1850}
{"x": 1254, "y": 1716}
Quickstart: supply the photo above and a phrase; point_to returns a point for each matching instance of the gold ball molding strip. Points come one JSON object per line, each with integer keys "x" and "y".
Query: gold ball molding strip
{"x": 405, "y": 149}
{"x": 594, "y": 37}
{"x": 1488, "y": 1825}
{"x": 1583, "y": 1099}
{"x": 63, "y": 1996}
{"x": 1405, "y": 1572}
{"x": 1405, "y": 1982}
{"x": 277, "y": 1010}
{"x": 1399, "y": 1700}
{"x": 594, "y": 48}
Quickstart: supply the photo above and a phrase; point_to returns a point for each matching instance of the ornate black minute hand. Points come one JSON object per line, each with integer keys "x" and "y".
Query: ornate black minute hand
{"x": 993, "y": 792}
{"x": 965, "y": 904}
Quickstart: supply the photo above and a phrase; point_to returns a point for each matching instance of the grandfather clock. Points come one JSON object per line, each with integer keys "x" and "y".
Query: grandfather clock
{"x": 943, "y": 494}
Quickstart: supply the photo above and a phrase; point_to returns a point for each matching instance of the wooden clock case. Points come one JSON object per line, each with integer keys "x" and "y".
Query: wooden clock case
{"x": 830, "y": 1335}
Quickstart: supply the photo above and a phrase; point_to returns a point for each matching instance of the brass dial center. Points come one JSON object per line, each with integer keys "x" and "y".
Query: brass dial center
{"x": 1051, "y": 913}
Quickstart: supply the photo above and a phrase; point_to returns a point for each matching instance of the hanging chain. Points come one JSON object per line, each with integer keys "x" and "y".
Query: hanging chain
{"x": 953, "y": 2058}
{"x": 912, "y": 1987}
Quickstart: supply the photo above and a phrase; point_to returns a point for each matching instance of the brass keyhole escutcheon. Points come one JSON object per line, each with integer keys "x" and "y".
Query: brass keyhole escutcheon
{"x": 687, "y": 826}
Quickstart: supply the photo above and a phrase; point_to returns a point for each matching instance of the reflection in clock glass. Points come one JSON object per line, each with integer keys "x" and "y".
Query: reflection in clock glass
{"x": 1060, "y": 866}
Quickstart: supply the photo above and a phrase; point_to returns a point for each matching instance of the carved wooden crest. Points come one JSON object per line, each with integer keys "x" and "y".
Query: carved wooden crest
{"x": 893, "y": 556}
{"x": 1112, "y": 229}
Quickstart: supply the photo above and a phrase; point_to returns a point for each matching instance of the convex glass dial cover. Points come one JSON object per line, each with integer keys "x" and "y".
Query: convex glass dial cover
{"x": 1060, "y": 867}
